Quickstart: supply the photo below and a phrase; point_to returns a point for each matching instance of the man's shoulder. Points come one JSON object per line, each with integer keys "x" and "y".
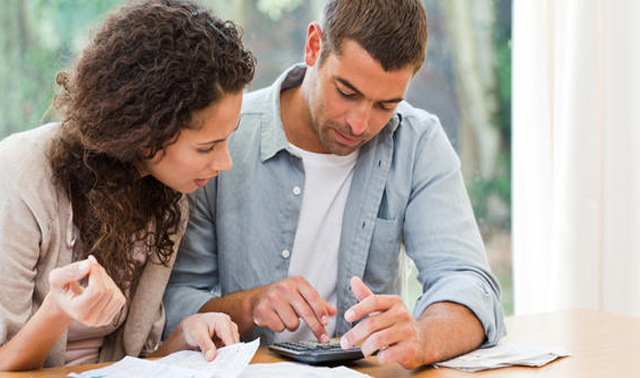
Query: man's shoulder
{"x": 256, "y": 101}
{"x": 415, "y": 124}
{"x": 416, "y": 117}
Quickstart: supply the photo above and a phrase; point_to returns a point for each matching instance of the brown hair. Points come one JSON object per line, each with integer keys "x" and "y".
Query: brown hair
{"x": 151, "y": 65}
{"x": 393, "y": 32}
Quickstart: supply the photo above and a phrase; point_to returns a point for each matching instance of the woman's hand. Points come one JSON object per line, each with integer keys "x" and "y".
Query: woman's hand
{"x": 95, "y": 305}
{"x": 67, "y": 301}
{"x": 206, "y": 332}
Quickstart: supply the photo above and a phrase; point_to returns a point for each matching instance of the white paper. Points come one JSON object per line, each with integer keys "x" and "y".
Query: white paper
{"x": 230, "y": 361}
{"x": 503, "y": 355}
{"x": 135, "y": 367}
{"x": 298, "y": 370}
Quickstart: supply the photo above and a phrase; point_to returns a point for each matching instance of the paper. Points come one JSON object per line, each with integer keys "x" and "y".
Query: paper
{"x": 504, "y": 355}
{"x": 136, "y": 367}
{"x": 298, "y": 370}
{"x": 230, "y": 362}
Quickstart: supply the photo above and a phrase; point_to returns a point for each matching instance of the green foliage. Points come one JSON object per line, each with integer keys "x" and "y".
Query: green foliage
{"x": 500, "y": 185}
{"x": 38, "y": 39}
{"x": 275, "y": 8}
{"x": 502, "y": 50}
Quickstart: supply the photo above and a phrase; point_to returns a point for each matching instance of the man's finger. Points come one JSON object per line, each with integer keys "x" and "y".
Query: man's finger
{"x": 380, "y": 339}
{"x": 369, "y": 326}
{"x": 268, "y": 319}
{"x": 359, "y": 289}
{"x": 287, "y": 313}
{"x": 319, "y": 305}
{"x": 304, "y": 310}
{"x": 371, "y": 305}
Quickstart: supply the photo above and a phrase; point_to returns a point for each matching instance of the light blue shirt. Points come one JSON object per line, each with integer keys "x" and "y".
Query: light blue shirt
{"x": 407, "y": 187}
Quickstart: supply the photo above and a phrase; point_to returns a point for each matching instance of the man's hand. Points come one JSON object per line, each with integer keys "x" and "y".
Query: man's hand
{"x": 443, "y": 331}
{"x": 389, "y": 328}
{"x": 280, "y": 306}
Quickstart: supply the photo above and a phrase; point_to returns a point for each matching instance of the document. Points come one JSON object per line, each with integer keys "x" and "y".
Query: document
{"x": 135, "y": 367}
{"x": 503, "y": 355}
{"x": 230, "y": 362}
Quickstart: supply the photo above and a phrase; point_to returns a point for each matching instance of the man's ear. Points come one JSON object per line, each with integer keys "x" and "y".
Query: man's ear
{"x": 313, "y": 45}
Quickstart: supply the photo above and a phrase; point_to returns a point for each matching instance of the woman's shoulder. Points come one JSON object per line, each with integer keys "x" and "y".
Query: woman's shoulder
{"x": 25, "y": 170}
{"x": 27, "y": 149}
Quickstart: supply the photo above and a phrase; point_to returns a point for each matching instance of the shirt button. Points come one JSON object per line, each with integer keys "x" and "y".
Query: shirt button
{"x": 285, "y": 254}
{"x": 296, "y": 191}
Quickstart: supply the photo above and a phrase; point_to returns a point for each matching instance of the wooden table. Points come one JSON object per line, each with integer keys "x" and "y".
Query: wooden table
{"x": 601, "y": 344}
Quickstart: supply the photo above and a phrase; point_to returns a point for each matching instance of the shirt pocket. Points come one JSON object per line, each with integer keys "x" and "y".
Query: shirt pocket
{"x": 381, "y": 273}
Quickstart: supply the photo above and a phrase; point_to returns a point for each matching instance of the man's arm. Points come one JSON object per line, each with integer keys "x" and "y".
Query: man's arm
{"x": 442, "y": 238}
{"x": 194, "y": 284}
{"x": 460, "y": 308}
{"x": 277, "y": 306}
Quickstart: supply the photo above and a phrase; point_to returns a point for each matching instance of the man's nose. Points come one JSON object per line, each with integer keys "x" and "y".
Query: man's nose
{"x": 359, "y": 119}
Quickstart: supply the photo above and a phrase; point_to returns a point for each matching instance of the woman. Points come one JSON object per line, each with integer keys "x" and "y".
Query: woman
{"x": 92, "y": 209}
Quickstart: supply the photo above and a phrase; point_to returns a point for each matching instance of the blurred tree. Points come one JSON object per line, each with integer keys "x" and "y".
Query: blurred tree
{"x": 465, "y": 79}
{"x": 38, "y": 38}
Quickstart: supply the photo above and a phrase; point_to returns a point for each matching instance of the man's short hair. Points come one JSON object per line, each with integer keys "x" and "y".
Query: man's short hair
{"x": 393, "y": 32}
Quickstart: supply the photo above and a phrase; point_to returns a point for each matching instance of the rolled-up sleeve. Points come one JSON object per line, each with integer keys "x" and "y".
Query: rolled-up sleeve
{"x": 442, "y": 237}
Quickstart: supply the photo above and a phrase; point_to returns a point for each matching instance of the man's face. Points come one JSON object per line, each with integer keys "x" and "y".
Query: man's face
{"x": 351, "y": 98}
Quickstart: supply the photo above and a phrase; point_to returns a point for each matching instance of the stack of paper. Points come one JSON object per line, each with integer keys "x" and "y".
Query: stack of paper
{"x": 230, "y": 362}
{"x": 504, "y": 355}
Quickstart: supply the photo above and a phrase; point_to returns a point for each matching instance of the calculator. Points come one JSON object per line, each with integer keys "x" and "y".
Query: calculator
{"x": 314, "y": 352}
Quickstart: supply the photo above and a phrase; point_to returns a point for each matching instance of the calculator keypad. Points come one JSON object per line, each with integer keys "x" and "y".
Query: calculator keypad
{"x": 314, "y": 351}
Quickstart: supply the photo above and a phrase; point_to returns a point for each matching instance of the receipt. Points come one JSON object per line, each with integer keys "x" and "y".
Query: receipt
{"x": 503, "y": 355}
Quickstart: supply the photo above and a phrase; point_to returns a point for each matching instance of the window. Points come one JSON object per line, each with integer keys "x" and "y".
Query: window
{"x": 465, "y": 81}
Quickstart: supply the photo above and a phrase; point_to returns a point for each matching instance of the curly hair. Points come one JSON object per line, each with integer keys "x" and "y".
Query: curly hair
{"x": 134, "y": 88}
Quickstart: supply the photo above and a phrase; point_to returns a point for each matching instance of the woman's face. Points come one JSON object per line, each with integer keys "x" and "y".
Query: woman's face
{"x": 199, "y": 153}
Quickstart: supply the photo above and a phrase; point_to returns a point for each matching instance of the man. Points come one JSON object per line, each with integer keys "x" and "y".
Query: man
{"x": 333, "y": 171}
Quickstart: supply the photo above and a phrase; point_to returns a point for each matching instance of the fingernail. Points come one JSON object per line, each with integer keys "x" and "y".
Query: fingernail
{"x": 209, "y": 355}
{"x": 349, "y": 315}
{"x": 325, "y": 320}
{"x": 324, "y": 338}
{"x": 92, "y": 259}
{"x": 344, "y": 344}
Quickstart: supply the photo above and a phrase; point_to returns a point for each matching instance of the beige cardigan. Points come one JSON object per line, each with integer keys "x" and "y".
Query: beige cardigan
{"x": 36, "y": 236}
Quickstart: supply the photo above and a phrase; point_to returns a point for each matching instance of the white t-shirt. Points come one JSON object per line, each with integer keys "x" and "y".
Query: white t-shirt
{"x": 315, "y": 248}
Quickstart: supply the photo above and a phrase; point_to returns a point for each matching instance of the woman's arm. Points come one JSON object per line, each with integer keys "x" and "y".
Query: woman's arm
{"x": 94, "y": 305}
{"x": 32, "y": 344}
